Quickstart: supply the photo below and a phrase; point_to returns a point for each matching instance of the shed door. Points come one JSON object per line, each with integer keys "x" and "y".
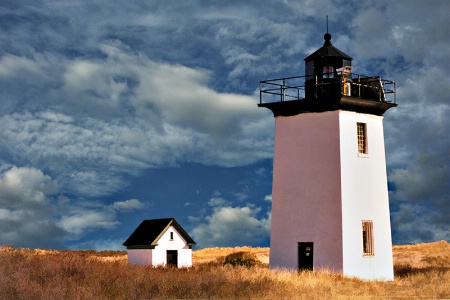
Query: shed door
{"x": 305, "y": 256}
{"x": 172, "y": 258}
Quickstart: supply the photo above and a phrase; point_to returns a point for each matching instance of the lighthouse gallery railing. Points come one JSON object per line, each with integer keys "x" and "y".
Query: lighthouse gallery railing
{"x": 353, "y": 85}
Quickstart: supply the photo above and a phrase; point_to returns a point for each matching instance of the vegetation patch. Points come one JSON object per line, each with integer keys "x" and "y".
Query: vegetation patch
{"x": 241, "y": 258}
{"x": 220, "y": 273}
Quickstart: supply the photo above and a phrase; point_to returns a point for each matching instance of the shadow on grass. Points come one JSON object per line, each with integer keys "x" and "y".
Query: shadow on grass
{"x": 407, "y": 270}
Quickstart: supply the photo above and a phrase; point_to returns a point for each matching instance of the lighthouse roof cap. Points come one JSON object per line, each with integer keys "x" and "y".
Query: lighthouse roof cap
{"x": 327, "y": 50}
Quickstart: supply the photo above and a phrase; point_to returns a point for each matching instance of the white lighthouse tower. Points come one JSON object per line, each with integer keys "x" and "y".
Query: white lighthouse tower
{"x": 330, "y": 206}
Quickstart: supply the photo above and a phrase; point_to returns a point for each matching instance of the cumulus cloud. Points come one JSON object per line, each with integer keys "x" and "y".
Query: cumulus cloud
{"x": 33, "y": 215}
{"x": 26, "y": 212}
{"x": 231, "y": 225}
{"x": 25, "y": 187}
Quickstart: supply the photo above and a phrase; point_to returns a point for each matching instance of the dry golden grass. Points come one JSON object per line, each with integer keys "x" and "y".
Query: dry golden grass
{"x": 422, "y": 271}
{"x": 209, "y": 255}
{"x": 423, "y": 255}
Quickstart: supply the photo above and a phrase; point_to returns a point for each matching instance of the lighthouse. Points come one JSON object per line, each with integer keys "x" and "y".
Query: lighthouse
{"x": 330, "y": 206}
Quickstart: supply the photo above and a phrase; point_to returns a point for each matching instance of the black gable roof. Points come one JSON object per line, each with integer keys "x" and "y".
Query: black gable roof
{"x": 147, "y": 234}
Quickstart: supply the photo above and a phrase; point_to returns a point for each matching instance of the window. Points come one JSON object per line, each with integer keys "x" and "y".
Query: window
{"x": 309, "y": 70}
{"x": 328, "y": 72}
{"x": 367, "y": 235}
{"x": 362, "y": 138}
{"x": 171, "y": 236}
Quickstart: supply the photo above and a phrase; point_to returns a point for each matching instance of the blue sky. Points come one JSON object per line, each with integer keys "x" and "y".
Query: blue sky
{"x": 112, "y": 112}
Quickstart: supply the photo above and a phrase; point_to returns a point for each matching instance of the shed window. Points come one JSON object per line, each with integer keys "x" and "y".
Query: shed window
{"x": 367, "y": 235}
{"x": 361, "y": 129}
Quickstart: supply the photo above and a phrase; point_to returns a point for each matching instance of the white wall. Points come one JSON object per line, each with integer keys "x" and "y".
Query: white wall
{"x": 139, "y": 257}
{"x": 178, "y": 243}
{"x": 365, "y": 197}
{"x": 306, "y": 203}
{"x": 322, "y": 190}
{"x": 158, "y": 256}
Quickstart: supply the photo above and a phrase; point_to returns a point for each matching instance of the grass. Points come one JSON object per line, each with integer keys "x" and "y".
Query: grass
{"x": 421, "y": 271}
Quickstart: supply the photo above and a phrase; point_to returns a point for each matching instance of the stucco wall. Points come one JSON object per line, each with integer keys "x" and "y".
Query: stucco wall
{"x": 365, "y": 197}
{"x": 323, "y": 189}
{"x": 306, "y": 204}
{"x": 178, "y": 243}
{"x": 139, "y": 257}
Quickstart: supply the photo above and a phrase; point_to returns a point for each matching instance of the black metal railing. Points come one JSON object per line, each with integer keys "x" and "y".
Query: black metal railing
{"x": 352, "y": 85}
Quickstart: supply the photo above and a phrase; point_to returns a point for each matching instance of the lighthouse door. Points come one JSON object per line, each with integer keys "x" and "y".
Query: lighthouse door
{"x": 305, "y": 256}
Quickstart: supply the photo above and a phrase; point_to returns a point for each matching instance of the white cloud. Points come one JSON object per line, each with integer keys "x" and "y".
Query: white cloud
{"x": 216, "y": 201}
{"x": 230, "y": 226}
{"x": 82, "y": 220}
{"x": 268, "y": 198}
{"x": 240, "y": 196}
{"x": 25, "y": 187}
{"x": 31, "y": 216}
{"x": 124, "y": 113}
{"x": 26, "y": 212}
{"x": 128, "y": 205}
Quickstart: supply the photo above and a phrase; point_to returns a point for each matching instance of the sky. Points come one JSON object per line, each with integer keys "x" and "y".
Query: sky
{"x": 112, "y": 112}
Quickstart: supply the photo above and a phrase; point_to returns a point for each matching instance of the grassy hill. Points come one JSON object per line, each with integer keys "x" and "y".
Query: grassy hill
{"x": 421, "y": 271}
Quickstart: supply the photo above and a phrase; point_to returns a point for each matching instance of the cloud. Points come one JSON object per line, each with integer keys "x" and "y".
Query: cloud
{"x": 100, "y": 245}
{"x": 82, "y": 220}
{"x": 216, "y": 201}
{"x": 32, "y": 215}
{"x": 29, "y": 228}
{"x": 25, "y": 187}
{"x": 413, "y": 223}
{"x": 128, "y": 205}
{"x": 123, "y": 113}
{"x": 420, "y": 206}
{"x": 228, "y": 225}
{"x": 94, "y": 95}
{"x": 26, "y": 211}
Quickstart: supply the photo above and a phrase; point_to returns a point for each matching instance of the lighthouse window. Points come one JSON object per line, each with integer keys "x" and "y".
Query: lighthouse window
{"x": 362, "y": 138}
{"x": 171, "y": 236}
{"x": 309, "y": 66}
{"x": 328, "y": 72}
{"x": 367, "y": 235}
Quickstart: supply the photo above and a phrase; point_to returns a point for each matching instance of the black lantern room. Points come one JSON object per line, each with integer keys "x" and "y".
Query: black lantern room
{"x": 322, "y": 67}
{"x": 328, "y": 84}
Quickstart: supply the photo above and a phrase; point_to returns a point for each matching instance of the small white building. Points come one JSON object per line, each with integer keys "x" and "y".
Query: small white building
{"x": 160, "y": 242}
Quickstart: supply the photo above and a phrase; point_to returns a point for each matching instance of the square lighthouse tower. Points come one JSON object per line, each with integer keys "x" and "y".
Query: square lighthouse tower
{"x": 330, "y": 206}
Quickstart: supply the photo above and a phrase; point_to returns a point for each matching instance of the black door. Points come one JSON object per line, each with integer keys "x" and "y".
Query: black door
{"x": 172, "y": 258}
{"x": 305, "y": 256}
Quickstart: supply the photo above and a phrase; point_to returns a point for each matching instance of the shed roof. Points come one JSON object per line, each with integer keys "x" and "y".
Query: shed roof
{"x": 149, "y": 232}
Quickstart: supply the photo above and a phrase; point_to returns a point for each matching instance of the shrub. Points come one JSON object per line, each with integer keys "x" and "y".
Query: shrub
{"x": 241, "y": 258}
